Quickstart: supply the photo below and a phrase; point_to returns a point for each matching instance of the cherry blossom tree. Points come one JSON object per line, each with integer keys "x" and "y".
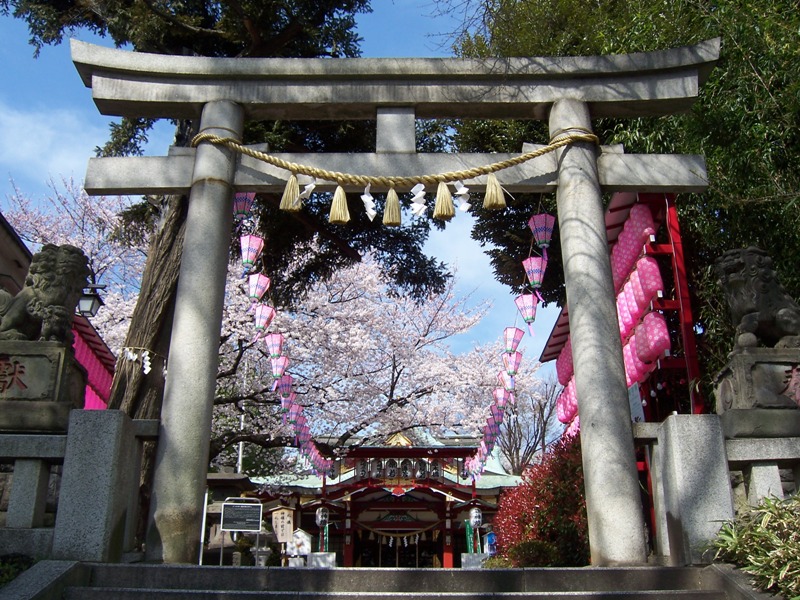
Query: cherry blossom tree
{"x": 367, "y": 361}
{"x": 530, "y": 425}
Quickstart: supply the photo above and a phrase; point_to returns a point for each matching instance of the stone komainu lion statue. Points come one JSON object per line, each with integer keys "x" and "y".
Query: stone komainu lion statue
{"x": 43, "y": 309}
{"x": 763, "y": 313}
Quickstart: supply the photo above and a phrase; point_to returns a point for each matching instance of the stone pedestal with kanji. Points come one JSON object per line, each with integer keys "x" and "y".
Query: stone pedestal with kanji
{"x": 40, "y": 382}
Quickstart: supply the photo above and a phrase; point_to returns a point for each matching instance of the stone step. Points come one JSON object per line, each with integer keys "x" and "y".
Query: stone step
{"x": 105, "y": 593}
{"x": 396, "y": 581}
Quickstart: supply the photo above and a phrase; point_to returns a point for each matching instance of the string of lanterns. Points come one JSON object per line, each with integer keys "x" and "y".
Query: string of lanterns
{"x": 252, "y": 247}
{"x": 541, "y": 226}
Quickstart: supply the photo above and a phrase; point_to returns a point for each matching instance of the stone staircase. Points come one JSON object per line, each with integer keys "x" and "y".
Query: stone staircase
{"x": 85, "y": 581}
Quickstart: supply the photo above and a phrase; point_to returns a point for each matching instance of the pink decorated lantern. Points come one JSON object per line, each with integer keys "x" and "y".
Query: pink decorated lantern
{"x": 243, "y": 205}
{"x": 274, "y": 344}
{"x": 574, "y": 428}
{"x": 506, "y": 381}
{"x": 511, "y": 361}
{"x": 263, "y": 317}
{"x": 567, "y": 403}
{"x": 279, "y": 366}
{"x": 626, "y": 321}
{"x": 542, "y": 227}
{"x": 258, "y": 284}
{"x": 512, "y": 336}
{"x": 284, "y": 385}
{"x": 526, "y": 304}
{"x": 497, "y": 412}
{"x": 564, "y": 364}
{"x": 294, "y": 413}
{"x": 631, "y": 373}
{"x": 288, "y": 400}
{"x": 652, "y": 337}
{"x": 640, "y": 222}
{"x": 252, "y": 246}
{"x": 501, "y": 397}
{"x": 535, "y": 267}
{"x": 630, "y": 300}
{"x": 641, "y": 368}
{"x": 649, "y": 278}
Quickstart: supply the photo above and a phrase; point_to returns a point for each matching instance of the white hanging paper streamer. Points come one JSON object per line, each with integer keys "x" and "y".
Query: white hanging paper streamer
{"x": 369, "y": 203}
{"x": 391, "y": 542}
{"x": 309, "y": 187}
{"x": 146, "y": 366}
{"x": 462, "y": 195}
{"x": 130, "y": 354}
{"x": 418, "y": 200}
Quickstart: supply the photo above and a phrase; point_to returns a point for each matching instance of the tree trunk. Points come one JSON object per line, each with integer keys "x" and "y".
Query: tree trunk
{"x": 137, "y": 394}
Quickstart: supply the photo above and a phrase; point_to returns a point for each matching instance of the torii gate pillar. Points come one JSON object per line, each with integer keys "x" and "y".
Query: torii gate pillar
{"x": 181, "y": 466}
{"x": 613, "y": 503}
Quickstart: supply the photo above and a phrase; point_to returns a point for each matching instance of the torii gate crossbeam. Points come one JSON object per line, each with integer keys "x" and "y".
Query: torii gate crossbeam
{"x": 224, "y": 93}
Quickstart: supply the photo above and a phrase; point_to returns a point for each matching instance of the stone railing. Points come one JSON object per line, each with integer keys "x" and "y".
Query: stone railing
{"x": 97, "y": 500}
{"x": 693, "y": 460}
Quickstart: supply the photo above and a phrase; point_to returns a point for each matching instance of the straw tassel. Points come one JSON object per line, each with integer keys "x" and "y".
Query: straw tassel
{"x": 494, "y": 199}
{"x": 391, "y": 212}
{"x": 291, "y": 195}
{"x": 444, "y": 208}
{"x": 339, "y": 212}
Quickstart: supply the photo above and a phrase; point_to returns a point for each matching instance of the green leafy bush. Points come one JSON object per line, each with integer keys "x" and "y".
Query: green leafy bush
{"x": 765, "y": 543}
{"x": 12, "y": 565}
{"x": 549, "y": 508}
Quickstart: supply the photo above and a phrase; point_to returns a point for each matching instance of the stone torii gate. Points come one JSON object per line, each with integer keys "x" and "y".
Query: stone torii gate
{"x": 223, "y": 92}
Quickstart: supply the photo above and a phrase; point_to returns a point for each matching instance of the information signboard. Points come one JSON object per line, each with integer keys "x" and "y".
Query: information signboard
{"x": 283, "y": 524}
{"x": 241, "y": 517}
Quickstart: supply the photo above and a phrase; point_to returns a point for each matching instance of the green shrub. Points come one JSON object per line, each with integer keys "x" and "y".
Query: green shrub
{"x": 765, "y": 543}
{"x": 497, "y": 562}
{"x": 533, "y": 553}
{"x": 12, "y": 565}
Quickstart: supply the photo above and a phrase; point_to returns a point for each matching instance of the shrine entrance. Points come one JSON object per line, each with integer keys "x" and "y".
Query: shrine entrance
{"x": 567, "y": 92}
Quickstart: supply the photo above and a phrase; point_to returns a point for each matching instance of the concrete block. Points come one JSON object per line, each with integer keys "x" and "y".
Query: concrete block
{"x": 696, "y": 483}
{"x": 322, "y": 560}
{"x": 763, "y": 480}
{"x": 473, "y": 561}
{"x": 26, "y": 504}
{"x": 96, "y": 487}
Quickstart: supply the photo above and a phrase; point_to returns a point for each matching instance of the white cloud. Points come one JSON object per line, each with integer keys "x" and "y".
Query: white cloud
{"x": 38, "y": 144}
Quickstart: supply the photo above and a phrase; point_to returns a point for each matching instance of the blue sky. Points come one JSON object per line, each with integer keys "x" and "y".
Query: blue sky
{"x": 49, "y": 128}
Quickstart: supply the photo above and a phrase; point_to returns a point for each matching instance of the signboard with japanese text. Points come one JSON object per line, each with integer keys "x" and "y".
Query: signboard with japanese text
{"x": 283, "y": 524}
{"x": 241, "y": 517}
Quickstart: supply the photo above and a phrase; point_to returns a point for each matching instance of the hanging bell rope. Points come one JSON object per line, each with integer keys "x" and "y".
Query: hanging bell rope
{"x": 557, "y": 142}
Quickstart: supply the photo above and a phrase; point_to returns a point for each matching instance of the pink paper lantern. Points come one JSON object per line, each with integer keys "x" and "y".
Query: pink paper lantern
{"x": 274, "y": 344}
{"x": 258, "y": 284}
{"x": 526, "y": 304}
{"x": 624, "y": 315}
{"x": 263, "y": 317}
{"x": 288, "y": 400}
{"x": 506, "y": 381}
{"x": 625, "y": 252}
{"x": 279, "y": 366}
{"x": 642, "y": 302}
{"x": 564, "y": 365}
{"x": 252, "y": 246}
{"x": 294, "y": 413}
{"x": 630, "y": 300}
{"x": 284, "y": 385}
{"x": 512, "y": 361}
{"x": 497, "y": 412}
{"x": 501, "y": 397}
{"x": 512, "y": 336}
{"x": 652, "y": 337}
{"x": 542, "y": 227}
{"x": 640, "y": 368}
{"x": 535, "y": 267}
{"x": 567, "y": 403}
{"x": 640, "y": 221}
{"x": 649, "y": 278}
{"x": 243, "y": 205}
{"x": 631, "y": 372}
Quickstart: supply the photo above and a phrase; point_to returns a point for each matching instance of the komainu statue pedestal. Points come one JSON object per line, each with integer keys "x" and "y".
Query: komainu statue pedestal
{"x": 40, "y": 382}
{"x": 758, "y": 393}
